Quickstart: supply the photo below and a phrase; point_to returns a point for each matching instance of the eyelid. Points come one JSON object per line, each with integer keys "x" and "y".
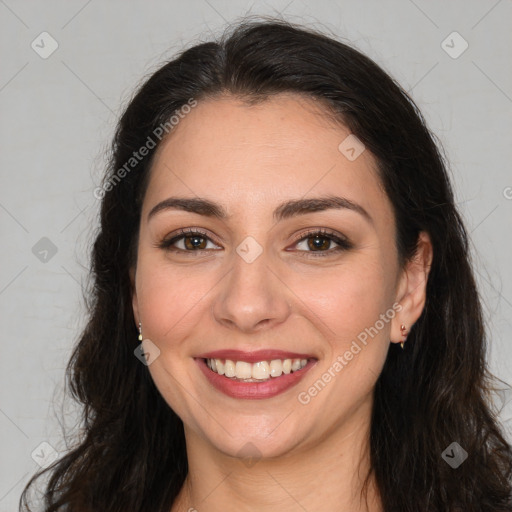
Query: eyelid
{"x": 167, "y": 241}
{"x": 342, "y": 241}
{"x": 319, "y": 232}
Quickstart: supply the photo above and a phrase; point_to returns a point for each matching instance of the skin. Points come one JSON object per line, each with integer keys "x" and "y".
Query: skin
{"x": 250, "y": 159}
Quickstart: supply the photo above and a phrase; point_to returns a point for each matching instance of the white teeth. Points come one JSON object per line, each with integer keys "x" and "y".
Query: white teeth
{"x": 243, "y": 370}
{"x": 229, "y": 368}
{"x": 276, "y": 368}
{"x": 262, "y": 370}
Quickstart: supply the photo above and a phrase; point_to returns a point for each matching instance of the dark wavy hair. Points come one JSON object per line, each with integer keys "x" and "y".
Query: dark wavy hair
{"x": 130, "y": 453}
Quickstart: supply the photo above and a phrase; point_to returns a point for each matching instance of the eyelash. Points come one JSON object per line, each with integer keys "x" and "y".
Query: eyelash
{"x": 343, "y": 243}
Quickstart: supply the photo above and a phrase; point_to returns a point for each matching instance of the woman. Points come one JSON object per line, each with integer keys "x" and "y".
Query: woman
{"x": 283, "y": 315}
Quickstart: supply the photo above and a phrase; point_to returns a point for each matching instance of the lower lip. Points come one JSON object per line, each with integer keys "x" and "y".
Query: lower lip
{"x": 254, "y": 390}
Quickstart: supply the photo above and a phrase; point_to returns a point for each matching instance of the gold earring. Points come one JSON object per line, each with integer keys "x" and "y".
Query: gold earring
{"x": 403, "y": 331}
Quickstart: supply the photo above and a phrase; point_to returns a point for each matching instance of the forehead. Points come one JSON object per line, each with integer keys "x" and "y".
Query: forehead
{"x": 250, "y": 157}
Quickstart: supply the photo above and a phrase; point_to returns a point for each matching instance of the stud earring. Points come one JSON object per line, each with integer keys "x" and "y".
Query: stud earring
{"x": 403, "y": 332}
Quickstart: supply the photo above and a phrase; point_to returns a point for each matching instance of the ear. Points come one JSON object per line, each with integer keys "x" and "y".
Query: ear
{"x": 135, "y": 303}
{"x": 412, "y": 288}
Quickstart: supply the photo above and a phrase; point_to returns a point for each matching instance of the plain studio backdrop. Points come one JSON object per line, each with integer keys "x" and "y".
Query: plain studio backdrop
{"x": 69, "y": 67}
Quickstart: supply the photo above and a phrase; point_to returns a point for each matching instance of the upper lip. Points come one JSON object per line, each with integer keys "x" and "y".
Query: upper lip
{"x": 253, "y": 357}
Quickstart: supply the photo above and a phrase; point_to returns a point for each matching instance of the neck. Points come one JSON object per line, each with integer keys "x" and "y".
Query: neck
{"x": 325, "y": 475}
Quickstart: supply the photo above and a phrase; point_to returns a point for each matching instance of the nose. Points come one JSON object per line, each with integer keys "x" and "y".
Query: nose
{"x": 251, "y": 297}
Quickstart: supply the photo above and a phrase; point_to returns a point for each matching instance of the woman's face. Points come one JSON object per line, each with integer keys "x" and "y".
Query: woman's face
{"x": 258, "y": 280}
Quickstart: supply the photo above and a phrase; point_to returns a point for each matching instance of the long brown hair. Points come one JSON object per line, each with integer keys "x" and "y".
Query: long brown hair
{"x": 130, "y": 454}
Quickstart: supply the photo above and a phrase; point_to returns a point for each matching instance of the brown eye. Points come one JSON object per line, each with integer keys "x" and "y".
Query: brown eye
{"x": 194, "y": 242}
{"x": 319, "y": 242}
{"x": 186, "y": 241}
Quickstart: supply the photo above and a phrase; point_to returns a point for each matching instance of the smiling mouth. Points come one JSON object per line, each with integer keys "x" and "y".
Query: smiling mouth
{"x": 260, "y": 371}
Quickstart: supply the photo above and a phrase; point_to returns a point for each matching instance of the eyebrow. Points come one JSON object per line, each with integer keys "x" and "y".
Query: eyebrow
{"x": 284, "y": 211}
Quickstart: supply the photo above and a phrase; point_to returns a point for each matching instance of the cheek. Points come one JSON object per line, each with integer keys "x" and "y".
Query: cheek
{"x": 348, "y": 298}
{"x": 169, "y": 299}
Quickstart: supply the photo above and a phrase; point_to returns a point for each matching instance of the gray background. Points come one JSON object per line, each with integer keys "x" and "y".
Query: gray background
{"x": 58, "y": 115}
